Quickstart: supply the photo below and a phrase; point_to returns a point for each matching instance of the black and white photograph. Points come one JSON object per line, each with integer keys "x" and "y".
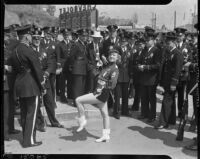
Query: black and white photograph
{"x": 104, "y": 79}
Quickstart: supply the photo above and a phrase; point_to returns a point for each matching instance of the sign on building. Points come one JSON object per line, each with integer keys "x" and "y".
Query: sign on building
{"x": 79, "y": 16}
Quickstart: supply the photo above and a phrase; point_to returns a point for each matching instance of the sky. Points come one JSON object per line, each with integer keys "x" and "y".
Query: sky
{"x": 164, "y": 13}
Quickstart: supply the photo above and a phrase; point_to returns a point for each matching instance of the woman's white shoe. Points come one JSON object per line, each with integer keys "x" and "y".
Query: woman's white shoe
{"x": 82, "y": 123}
{"x": 105, "y": 137}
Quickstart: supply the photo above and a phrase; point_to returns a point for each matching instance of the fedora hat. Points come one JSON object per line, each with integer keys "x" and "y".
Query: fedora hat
{"x": 97, "y": 34}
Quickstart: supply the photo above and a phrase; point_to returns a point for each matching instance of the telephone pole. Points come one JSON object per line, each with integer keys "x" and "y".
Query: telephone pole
{"x": 174, "y": 19}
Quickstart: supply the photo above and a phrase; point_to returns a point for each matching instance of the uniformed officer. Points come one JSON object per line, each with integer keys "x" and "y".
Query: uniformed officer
{"x": 132, "y": 47}
{"x": 171, "y": 70}
{"x": 149, "y": 70}
{"x": 11, "y": 44}
{"x": 112, "y": 41}
{"x": 28, "y": 85}
{"x": 136, "y": 60}
{"x": 193, "y": 146}
{"x": 78, "y": 66}
{"x": 62, "y": 53}
{"x": 184, "y": 49}
{"x": 121, "y": 89}
{"x": 49, "y": 45}
{"x": 7, "y": 69}
{"x": 94, "y": 61}
{"x": 47, "y": 65}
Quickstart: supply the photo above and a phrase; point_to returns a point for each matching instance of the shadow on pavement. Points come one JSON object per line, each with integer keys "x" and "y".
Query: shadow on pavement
{"x": 78, "y": 136}
{"x": 189, "y": 152}
{"x": 168, "y": 138}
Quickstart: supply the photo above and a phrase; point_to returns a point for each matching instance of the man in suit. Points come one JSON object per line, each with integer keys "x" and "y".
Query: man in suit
{"x": 47, "y": 64}
{"x": 149, "y": 74}
{"x": 171, "y": 70}
{"x": 94, "y": 61}
{"x": 184, "y": 49}
{"x": 78, "y": 58}
{"x": 29, "y": 84}
{"x": 62, "y": 54}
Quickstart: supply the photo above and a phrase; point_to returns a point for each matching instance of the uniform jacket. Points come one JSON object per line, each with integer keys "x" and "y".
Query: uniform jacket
{"x": 151, "y": 59}
{"x": 78, "y": 58}
{"x": 171, "y": 68}
{"x": 47, "y": 61}
{"x": 187, "y": 55}
{"x": 28, "y": 80}
{"x": 62, "y": 52}
{"x": 136, "y": 60}
{"x": 106, "y": 45}
{"x": 124, "y": 69}
{"x": 107, "y": 79}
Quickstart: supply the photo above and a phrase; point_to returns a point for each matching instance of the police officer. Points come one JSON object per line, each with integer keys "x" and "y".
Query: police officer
{"x": 136, "y": 60}
{"x": 149, "y": 70}
{"x": 28, "y": 85}
{"x": 62, "y": 54}
{"x": 171, "y": 70}
{"x": 194, "y": 73}
{"x": 47, "y": 65}
{"x": 184, "y": 49}
{"x": 78, "y": 64}
{"x": 110, "y": 43}
{"x": 7, "y": 69}
{"x": 49, "y": 45}
{"x": 121, "y": 89}
{"x": 10, "y": 45}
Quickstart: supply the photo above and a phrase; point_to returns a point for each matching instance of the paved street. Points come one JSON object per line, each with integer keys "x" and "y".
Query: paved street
{"x": 128, "y": 136}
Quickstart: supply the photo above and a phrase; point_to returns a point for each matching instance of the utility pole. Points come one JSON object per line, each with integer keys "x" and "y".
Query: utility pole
{"x": 155, "y": 21}
{"x": 174, "y": 19}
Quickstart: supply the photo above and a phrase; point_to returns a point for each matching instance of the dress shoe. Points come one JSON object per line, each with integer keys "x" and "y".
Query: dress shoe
{"x": 141, "y": 117}
{"x": 58, "y": 126}
{"x": 42, "y": 129}
{"x": 38, "y": 142}
{"x": 63, "y": 100}
{"x": 7, "y": 138}
{"x": 151, "y": 120}
{"x": 31, "y": 145}
{"x": 117, "y": 116}
{"x": 14, "y": 131}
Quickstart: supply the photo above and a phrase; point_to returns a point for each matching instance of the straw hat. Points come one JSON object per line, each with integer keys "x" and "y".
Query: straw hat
{"x": 97, "y": 34}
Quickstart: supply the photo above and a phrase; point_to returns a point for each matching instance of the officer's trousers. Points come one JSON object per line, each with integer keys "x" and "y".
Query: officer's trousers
{"x": 168, "y": 110}
{"x": 121, "y": 89}
{"x": 28, "y": 106}
{"x": 148, "y": 101}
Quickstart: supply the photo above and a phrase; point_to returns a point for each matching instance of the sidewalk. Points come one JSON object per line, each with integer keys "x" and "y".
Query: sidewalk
{"x": 128, "y": 136}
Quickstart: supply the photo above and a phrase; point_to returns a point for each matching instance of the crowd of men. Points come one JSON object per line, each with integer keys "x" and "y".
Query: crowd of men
{"x": 41, "y": 64}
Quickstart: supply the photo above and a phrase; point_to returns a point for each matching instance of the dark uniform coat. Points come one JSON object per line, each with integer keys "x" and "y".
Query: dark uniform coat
{"x": 28, "y": 80}
{"x": 151, "y": 59}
